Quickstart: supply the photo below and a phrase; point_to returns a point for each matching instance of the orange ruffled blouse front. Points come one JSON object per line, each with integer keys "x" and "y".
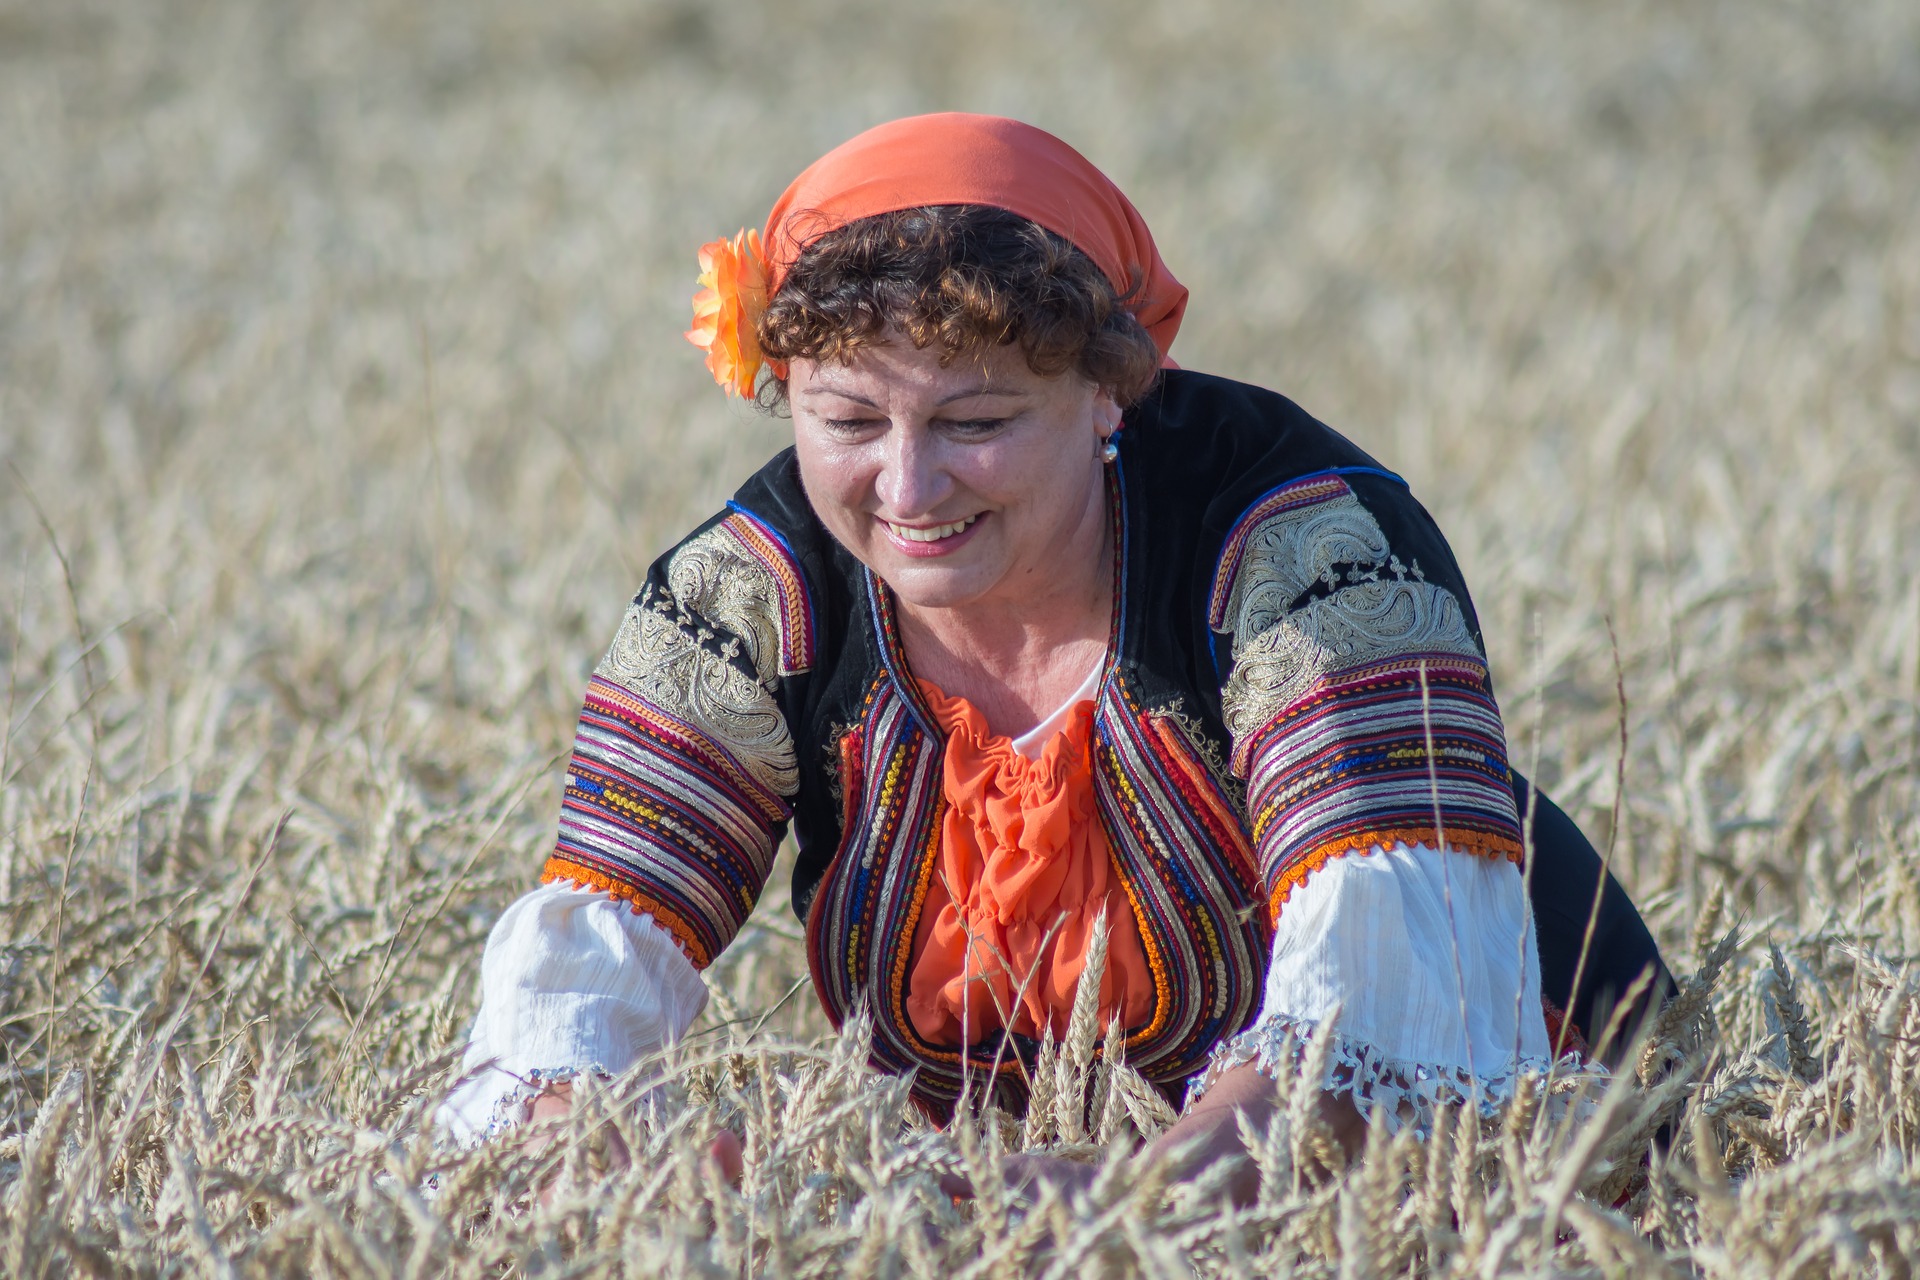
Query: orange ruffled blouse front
{"x": 1025, "y": 870}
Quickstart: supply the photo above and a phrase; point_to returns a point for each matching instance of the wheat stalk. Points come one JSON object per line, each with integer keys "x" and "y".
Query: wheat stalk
{"x": 299, "y": 588}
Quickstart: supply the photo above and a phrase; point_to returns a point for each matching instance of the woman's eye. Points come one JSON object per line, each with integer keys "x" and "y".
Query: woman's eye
{"x": 974, "y": 426}
{"x": 850, "y": 426}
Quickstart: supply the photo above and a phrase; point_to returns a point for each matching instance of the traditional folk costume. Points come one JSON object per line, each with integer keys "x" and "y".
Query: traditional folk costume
{"x": 1285, "y": 786}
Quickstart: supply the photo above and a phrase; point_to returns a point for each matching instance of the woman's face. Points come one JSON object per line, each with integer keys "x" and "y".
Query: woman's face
{"x": 957, "y": 486}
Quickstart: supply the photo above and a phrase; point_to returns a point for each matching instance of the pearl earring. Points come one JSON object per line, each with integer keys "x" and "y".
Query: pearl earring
{"x": 1110, "y": 451}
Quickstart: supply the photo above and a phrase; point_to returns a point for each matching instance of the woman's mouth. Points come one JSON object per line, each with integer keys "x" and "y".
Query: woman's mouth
{"x": 932, "y": 533}
{"x": 932, "y": 539}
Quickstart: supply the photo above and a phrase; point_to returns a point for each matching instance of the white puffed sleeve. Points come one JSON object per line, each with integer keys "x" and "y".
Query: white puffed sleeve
{"x": 1422, "y": 969}
{"x": 570, "y": 981}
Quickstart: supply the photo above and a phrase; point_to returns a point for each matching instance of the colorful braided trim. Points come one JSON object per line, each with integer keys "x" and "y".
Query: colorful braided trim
{"x": 559, "y": 868}
{"x": 1480, "y": 844}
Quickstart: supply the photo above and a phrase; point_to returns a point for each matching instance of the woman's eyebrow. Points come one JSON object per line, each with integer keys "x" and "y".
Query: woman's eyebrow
{"x": 971, "y": 392}
{"x": 814, "y": 393}
{"x": 968, "y": 393}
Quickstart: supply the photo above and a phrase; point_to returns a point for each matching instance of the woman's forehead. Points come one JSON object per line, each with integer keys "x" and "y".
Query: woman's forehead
{"x": 895, "y": 369}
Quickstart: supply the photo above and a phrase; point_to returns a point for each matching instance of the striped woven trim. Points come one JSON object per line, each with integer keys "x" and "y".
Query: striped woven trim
{"x": 617, "y": 710}
{"x": 658, "y": 816}
{"x": 1190, "y": 877}
{"x": 765, "y": 544}
{"x": 1363, "y": 760}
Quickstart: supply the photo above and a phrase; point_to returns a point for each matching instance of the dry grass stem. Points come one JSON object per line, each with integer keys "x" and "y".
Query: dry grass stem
{"x": 342, "y": 399}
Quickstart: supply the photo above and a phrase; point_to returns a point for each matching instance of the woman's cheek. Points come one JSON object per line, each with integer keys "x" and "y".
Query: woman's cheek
{"x": 837, "y": 473}
{"x": 998, "y": 469}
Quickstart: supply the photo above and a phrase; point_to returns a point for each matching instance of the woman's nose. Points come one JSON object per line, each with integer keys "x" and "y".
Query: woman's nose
{"x": 911, "y": 482}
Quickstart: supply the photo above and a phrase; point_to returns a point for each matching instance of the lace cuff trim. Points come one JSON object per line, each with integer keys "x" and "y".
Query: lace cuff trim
{"x": 1409, "y": 1091}
{"x": 510, "y": 1108}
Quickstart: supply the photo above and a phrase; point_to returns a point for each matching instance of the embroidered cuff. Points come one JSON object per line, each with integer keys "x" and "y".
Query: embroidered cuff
{"x": 1409, "y": 1091}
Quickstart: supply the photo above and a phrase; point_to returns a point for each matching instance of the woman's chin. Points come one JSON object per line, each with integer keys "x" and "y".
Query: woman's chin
{"x": 932, "y": 584}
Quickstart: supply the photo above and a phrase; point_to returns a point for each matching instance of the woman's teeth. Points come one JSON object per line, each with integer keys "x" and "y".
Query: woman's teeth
{"x": 933, "y": 534}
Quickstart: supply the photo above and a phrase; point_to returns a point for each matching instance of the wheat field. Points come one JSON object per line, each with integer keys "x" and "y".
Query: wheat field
{"x": 343, "y": 403}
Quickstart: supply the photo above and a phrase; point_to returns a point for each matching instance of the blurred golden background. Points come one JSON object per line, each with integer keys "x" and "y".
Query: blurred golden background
{"x": 343, "y": 403}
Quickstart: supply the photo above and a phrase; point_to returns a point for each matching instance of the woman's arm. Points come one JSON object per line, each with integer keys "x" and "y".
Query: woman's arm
{"x": 571, "y": 980}
{"x": 1418, "y": 974}
{"x": 677, "y": 795}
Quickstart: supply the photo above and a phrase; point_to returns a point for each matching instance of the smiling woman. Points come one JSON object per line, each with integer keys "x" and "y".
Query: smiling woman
{"x": 974, "y": 490}
{"x": 1030, "y": 630}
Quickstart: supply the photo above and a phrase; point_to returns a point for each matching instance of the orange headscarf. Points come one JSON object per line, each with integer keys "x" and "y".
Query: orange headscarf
{"x": 958, "y": 158}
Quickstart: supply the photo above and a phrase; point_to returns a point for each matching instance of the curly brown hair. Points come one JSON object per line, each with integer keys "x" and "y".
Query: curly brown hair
{"x": 962, "y": 278}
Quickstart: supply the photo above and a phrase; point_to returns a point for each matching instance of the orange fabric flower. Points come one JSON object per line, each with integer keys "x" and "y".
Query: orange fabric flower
{"x": 732, "y": 296}
{"x": 1025, "y": 870}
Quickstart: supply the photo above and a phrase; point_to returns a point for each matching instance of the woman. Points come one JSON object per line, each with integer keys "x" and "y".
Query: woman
{"x": 1030, "y": 628}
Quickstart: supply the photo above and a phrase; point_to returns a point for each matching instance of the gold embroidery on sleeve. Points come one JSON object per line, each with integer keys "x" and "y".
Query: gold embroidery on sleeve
{"x": 1374, "y": 609}
{"x": 666, "y": 653}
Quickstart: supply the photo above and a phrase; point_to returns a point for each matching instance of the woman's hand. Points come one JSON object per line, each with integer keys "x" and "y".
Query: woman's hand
{"x": 1210, "y": 1132}
{"x": 553, "y": 1102}
{"x": 1026, "y": 1172}
{"x": 1029, "y": 1171}
{"x": 1205, "y": 1135}
{"x": 556, "y": 1100}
